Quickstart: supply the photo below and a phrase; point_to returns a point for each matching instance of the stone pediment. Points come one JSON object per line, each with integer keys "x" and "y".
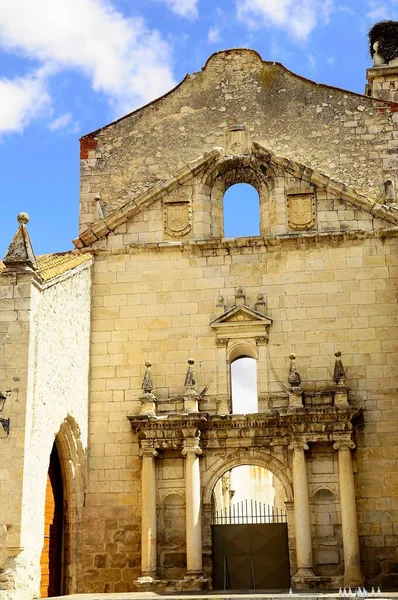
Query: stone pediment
{"x": 214, "y": 162}
{"x": 240, "y": 314}
{"x": 241, "y": 321}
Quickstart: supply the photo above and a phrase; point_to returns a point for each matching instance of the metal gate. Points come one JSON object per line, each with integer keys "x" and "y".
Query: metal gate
{"x": 250, "y": 548}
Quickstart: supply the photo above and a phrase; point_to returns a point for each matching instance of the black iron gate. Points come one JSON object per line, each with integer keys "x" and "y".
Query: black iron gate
{"x": 250, "y": 548}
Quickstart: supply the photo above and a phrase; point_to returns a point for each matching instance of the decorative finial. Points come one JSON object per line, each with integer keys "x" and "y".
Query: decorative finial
{"x": 220, "y": 300}
{"x": 339, "y": 375}
{"x": 240, "y": 296}
{"x": 147, "y": 384}
{"x": 23, "y": 218}
{"x": 190, "y": 380}
{"x": 260, "y": 304}
{"x": 294, "y": 378}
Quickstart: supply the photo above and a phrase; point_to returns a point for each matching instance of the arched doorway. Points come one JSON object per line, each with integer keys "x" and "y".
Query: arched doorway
{"x": 249, "y": 531}
{"x": 51, "y": 557}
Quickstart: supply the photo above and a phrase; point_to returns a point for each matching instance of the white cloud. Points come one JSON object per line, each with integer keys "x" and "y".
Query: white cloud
{"x": 123, "y": 59}
{"x": 183, "y": 8}
{"x": 298, "y": 17}
{"x": 214, "y": 35}
{"x": 60, "y": 122}
{"x": 377, "y": 10}
{"x": 312, "y": 62}
{"x": 22, "y": 100}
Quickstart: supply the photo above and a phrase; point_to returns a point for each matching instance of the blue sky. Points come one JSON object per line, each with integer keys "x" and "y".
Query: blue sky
{"x": 68, "y": 67}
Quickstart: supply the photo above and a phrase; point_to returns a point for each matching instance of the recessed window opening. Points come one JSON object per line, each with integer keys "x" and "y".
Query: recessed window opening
{"x": 244, "y": 386}
{"x": 241, "y": 206}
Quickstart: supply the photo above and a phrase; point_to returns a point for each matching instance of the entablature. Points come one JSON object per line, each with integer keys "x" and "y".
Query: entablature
{"x": 279, "y": 428}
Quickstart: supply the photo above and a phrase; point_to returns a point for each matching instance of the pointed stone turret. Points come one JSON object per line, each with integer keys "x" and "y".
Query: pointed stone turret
{"x": 148, "y": 398}
{"x": 383, "y": 75}
{"x": 20, "y": 255}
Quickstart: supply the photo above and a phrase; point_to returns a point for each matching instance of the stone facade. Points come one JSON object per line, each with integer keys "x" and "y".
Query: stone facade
{"x": 45, "y": 356}
{"x": 166, "y": 285}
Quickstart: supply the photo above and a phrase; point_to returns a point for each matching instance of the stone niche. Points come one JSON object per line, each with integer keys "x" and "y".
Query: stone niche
{"x": 172, "y": 546}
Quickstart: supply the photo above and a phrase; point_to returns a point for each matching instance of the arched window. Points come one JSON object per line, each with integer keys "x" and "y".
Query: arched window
{"x": 241, "y": 207}
{"x": 244, "y": 385}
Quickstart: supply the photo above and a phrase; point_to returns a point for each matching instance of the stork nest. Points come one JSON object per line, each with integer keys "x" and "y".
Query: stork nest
{"x": 386, "y": 33}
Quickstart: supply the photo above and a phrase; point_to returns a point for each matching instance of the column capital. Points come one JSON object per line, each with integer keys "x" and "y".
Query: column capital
{"x": 147, "y": 449}
{"x": 296, "y": 445}
{"x": 262, "y": 340}
{"x": 344, "y": 444}
{"x": 191, "y": 441}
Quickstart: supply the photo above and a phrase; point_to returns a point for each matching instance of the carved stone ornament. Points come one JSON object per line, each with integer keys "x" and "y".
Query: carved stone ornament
{"x": 301, "y": 211}
{"x": 177, "y": 217}
{"x": 237, "y": 140}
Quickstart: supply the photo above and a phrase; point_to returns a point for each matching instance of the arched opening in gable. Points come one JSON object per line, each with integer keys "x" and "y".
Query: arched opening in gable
{"x": 239, "y": 197}
{"x": 241, "y": 211}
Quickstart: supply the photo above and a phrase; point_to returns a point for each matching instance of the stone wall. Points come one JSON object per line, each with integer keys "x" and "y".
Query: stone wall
{"x": 345, "y": 136}
{"x": 47, "y": 371}
{"x": 324, "y": 293}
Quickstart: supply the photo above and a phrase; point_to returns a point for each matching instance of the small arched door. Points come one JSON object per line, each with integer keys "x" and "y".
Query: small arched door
{"x": 51, "y": 557}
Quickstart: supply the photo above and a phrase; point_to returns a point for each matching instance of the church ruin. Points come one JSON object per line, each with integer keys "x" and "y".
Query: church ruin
{"x": 119, "y": 438}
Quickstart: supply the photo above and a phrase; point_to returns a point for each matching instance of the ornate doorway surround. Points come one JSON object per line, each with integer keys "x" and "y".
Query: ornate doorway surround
{"x": 211, "y": 444}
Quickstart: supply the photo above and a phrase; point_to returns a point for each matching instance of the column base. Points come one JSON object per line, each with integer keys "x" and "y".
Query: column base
{"x": 353, "y": 578}
{"x": 305, "y": 579}
{"x": 194, "y": 575}
{"x": 167, "y": 586}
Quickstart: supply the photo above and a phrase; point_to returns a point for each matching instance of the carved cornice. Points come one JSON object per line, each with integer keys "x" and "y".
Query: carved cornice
{"x": 276, "y": 428}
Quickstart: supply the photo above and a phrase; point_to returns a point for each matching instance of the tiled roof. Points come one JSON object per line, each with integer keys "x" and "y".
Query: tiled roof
{"x": 53, "y": 265}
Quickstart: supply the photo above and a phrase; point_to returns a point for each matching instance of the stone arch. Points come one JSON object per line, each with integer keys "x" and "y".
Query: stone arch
{"x": 171, "y": 537}
{"x": 323, "y": 487}
{"x": 168, "y": 493}
{"x": 229, "y": 171}
{"x": 73, "y": 469}
{"x": 245, "y": 457}
{"x": 240, "y": 348}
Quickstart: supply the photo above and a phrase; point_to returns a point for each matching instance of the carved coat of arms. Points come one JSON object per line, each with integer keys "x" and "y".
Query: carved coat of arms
{"x": 177, "y": 218}
{"x": 301, "y": 212}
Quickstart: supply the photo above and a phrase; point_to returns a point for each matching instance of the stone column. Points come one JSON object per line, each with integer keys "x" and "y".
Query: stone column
{"x": 352, "y": 562}
{"x": 193, "y": 515}
{"x": 262, "y": 372}
{"x": 302, "y": 521}
{"x": 148, "y": 512}
{"x": 223, "y": 382}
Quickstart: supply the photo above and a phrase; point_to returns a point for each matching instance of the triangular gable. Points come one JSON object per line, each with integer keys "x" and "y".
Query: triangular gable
{"x": 240, "y": 314}
{"x": 102, "y": 227}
